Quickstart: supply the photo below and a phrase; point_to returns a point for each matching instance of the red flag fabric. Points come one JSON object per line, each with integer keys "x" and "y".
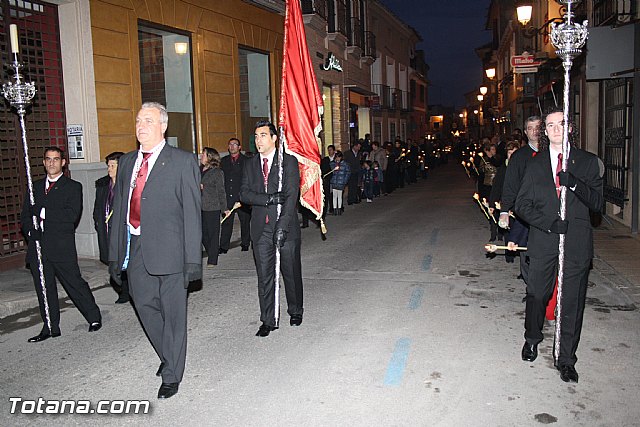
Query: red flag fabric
{"x": 301, "y": 108}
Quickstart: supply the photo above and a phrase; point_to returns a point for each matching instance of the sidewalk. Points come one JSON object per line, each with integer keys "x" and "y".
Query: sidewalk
{"x": 617, "y": 258}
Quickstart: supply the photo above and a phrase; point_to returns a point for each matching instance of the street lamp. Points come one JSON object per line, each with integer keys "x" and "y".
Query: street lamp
{"x": 524, "y": 13}
{"x": 483, "y": 91}
{"x": 491, "y": 73}
{"x": 480, "y": 97}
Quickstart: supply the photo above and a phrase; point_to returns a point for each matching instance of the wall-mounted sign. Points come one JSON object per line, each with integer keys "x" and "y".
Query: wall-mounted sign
{"x": 75, "y": 141}
{"x": 332, "y": 63}
{"x": 525, "y": 70}
{"x": 524, "y": 60}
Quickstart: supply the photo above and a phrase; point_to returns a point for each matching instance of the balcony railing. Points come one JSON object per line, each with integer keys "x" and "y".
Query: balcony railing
{"x": 384, "y": 95}
{"x": 611, "y": 11}
{"x": 356, "y": 36}
{"x": 369, "y": 44}
{"x": 391, "y": 98}
{"x": 318, "y": 7}
{"x": 337, "y": 17}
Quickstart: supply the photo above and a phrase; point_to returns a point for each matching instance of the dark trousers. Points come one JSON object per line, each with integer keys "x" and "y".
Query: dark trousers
{"x": 354, "y": 190}
{"x": 211, "y": 234}
{"x": 161, "y": 303}
{"x": 542, "y": 279}
{"x": 264, "y": 252}
{"x": 74, "y": 285}
{"x": 227, "y": 228}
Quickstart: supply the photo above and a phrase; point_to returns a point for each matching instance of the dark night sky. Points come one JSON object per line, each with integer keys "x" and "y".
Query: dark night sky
{"x": 451, "y": 30}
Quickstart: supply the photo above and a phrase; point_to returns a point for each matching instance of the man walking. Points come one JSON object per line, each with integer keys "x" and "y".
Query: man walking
{"x": 353, "y": 158}
{"x": 58, "y": 207}
{"x": 538, "y": 204}
{"x": 260, "y": 190}
{"x": 512, "y": 182}
{"x": 232, "y": 166}
{"x": 156, "y": 237}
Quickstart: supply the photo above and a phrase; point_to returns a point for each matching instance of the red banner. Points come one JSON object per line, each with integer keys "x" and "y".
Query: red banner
{"x": 301, "y": 109}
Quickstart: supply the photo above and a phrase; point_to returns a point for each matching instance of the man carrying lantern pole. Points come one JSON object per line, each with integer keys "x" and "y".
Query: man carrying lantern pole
{"x": 561, "y": 185}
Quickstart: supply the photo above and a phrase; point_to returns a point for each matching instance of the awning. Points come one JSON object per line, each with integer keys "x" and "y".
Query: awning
{"x": 359, "y": 90}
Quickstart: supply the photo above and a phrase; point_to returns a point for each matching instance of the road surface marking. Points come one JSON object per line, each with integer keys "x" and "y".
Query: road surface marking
{"x": 398, "y": 361}
{"x": 426, "y": 263}
{"x": 416, "y": 298}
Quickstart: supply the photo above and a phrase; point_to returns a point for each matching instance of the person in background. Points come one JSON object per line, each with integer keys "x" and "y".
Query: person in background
{"x": 339, "y": 180}
{"x": 214, "y": 200}
{"x": 232, "y": 166}
{"x": 102, "y": 211}
{"x": 325, "y": 169}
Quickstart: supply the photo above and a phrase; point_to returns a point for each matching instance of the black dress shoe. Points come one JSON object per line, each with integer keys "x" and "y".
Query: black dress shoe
{"x": 245, "y": 248}
{"x": 43, "y": 336}
{"x": 222, "y": 251}
{"x": 95, "y": 326}
{"x": 568, "y": 374}
{"x": 529, "y": 352}
{"x": 122, "y": 299}
{"x": 295, "y": 320}
{"x": 167, "y": 390}
{"x": 160, "y": 368}
{"x": 265, "y": 330}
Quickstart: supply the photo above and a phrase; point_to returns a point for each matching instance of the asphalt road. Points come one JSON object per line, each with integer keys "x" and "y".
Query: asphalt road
{"x": 406, "y": 323}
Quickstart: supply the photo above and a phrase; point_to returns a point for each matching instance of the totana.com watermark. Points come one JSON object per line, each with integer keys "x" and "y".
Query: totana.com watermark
{"x": 42, "y": 406}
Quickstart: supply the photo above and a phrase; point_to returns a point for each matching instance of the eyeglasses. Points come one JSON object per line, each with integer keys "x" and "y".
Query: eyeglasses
{"x": 234, "y": 143}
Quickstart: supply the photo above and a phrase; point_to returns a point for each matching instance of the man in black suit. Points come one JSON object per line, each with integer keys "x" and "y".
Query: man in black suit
{"x": 58, "y": 207}
{"x": 156, "y": 236}
{"x": 538, "y": 204}
{"x": 260, "y": 190}
{"x": 232, "y": 166}
{"x": 325, "y": 168}
{"x": 353, "y": 158}
{"x": 512, "y": 182}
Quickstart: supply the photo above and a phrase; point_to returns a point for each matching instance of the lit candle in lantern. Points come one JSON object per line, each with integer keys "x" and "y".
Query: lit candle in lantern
{"x": 13, "y": 30}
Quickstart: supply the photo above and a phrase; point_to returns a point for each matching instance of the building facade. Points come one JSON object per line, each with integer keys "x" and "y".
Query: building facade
{"x": 605, "y": 79}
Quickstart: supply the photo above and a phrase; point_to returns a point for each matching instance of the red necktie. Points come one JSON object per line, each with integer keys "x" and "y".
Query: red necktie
{"x": 48, "y": 187}
{"x": 558, "y": 170}
{"x": 265, "y": 175}
{"x": 141, "y": 178}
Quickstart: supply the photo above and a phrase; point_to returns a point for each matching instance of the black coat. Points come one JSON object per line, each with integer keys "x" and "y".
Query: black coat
{"x": 233, "y": 178}
{"x": 538, "y": 204}
{"x": 100, "y": 217}
{"x": 514, "y": 175}
{"x": 254, "y": 194}
{"x": 63, "y": 208}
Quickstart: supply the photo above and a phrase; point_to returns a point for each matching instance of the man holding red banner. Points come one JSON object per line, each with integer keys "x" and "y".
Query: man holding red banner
{"x": 273, "y": 231}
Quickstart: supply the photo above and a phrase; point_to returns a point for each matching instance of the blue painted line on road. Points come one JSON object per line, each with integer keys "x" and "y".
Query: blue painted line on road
{"x": 398, "y": 362}
{"x": 434, "y": 236}
{"x": 416, "y": 298}
{"x": 426, "y": 263}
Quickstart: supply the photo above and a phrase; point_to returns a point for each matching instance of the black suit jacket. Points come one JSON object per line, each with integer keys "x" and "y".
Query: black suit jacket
{"x": 253, "y": 193}
{"x": 513, "y": 176}
{"x": 63, "y": 208}
{"x": 233, "y": 178}
{"x": 538, "y": 204}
